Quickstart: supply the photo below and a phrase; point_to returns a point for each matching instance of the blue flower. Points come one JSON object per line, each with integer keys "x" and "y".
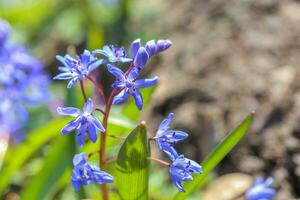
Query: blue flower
{"x": 84, "y": 173}
{"x": 166, "y": 138}
{"x": 22, "y": 82}
{"x": 128, "y": 85}
{"x": 113, "y": 53}
{"x": 151, "y": 47}
{"x": 181, "y": 170}
{"x": 260, "y": 190}
{"x": 84, "y": 122}
{"x": 77, "y": 68}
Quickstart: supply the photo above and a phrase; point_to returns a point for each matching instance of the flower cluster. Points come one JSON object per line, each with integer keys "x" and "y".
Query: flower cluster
{"x": 181, "y": 167}
{"x": 22, "y": 83}
{"x": 261, "y": 190}
{"x": 127, "y": 83}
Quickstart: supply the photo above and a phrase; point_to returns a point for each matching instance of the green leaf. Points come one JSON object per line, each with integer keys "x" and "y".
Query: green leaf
{"x": 215, "y": 157}
{"x": 57, "y": 161}
{"x": 16, "y": 158}
{"x": 132, "y": 167}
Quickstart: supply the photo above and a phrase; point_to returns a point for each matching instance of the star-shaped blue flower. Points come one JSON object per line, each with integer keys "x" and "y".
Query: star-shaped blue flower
{"x": 128, "y": 85}
{"x": 77, "y": 68}
{"x": 84, "y": 122}
{"x": 261, "y": 190}
{"x": 84, "y": 173}
{"x": 113, "y": 53}
{"x": 181, "y": 170}
{"x": 166, "y": 138}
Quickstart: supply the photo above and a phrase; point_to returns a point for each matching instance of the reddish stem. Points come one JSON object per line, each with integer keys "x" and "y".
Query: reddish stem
{"x": 100, "y": 110}
{"x": 159, "y": 161}
{"x": 82, "y": 90}
{"x": 102, "y": 160}
{"x": 98, "y": 88}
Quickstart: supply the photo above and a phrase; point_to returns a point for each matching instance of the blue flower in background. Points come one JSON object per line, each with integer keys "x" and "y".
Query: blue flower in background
{"x": 166, "y": 138}
{"x": 75, "y": 69}
{"x": 84, "y": 122}
{"x": 260, "y": 190}
{"x": 84, "y": 173}
{"x": 181, "y": 170}
{"x": 113, "y": 54}
{"x": 128, "y": 85}
{"x": 22, "y": 83}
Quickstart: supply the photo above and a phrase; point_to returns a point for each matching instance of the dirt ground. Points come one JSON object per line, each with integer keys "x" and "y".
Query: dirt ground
{"x": 230, "y": 57}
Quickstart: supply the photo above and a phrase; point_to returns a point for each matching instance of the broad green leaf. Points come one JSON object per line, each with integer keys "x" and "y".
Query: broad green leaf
{"x": 132, "y": 167}
{"x": 16, "y": 158}
{"x": 58, "y": 160}
{"x": 215, "y": 157}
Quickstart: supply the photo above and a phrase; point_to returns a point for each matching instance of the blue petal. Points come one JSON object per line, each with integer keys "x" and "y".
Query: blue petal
{"x": 167, "y": 149}
{"x": 64, "y": 76}
{"x": 195, "y": 167}
{"x": 88, "y": 107}
{"x": 81, "y": 136}
{"x": 141, "y": 58}
{"x": 101, "y": 176}
{"x": 96, "y": 123}
{"x": 73, "y": 81}
{"x": 121, "y": 97}
{"x": 71, "y": 126}
{"x": 133, "y": 74}
{"x": 179, "y": 186}
{"x": 61, "y": 59}
{"x": 165, "y": 124}
{"x": 106, "y": 51}
{"x": 144, "y": 83}
{"x": 135, "y": 45}
{"x": 138, "y": 99}
{"x": 69, "y": 111}
{"x": 76, "y": 185}
{"x": 163, "y": 45}
{"x": 79, "y": 159}
{"x": 125, "y": 60}
{"x": 116, "y": 72}
{"x": 95, "y": 64}
{"x": 151, "y": 47}
{"x": 92, "y": 133}
{"x": 175, "y": 136}
{"x": 118, "y": 84}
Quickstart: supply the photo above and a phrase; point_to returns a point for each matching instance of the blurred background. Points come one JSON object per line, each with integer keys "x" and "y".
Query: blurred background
{"x": 229, "y": 57}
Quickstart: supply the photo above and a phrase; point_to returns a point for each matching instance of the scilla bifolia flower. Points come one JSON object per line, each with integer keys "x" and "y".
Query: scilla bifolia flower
{"x": 113, "y": 53}
{"x": 181, "y": 169}
{"x": 261, "y": 190}
{"x": 128, "y": 85}
{"x": 166, "y": 138}
{"x": 84, "y": 173}
{"x": 84, "y": 122}
{"x": 77, "y": 68}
